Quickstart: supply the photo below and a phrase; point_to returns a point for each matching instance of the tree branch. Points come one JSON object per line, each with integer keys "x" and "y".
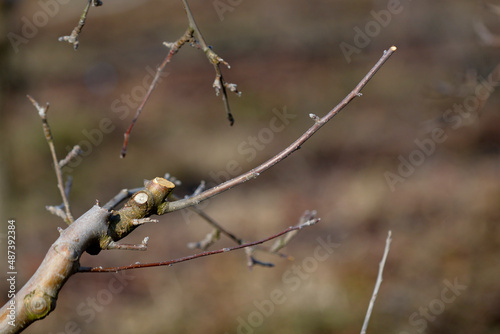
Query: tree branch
{"x": 377, "y": 283}
{"x": 73, "y": 37}
{"x": 199, "y": 255}
{"x": 174, "y": 48}
{"x": 255, "y": 172}
{"x": 99, "y": 229}
{"x": 219, "y": 83}
{"x": 42, "y": 112}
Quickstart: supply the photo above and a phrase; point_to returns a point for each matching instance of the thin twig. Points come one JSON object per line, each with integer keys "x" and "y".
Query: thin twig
{"x": 73, "y": 38}
{"x": 195, "y": 256}
{"x": 216, "y": 225}
{"x": 76, "y": 151}
{"x": 42, "y": 112}
{"x": 377, "y": 283}
{"x": 122, "y": 195}
{"x": 219, "y": 84}
{"x": 255, "y": 172}
{"x": 174, "y": 47}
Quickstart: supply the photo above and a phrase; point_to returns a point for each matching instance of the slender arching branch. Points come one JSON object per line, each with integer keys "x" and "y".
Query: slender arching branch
{"x": 255, "y": 172}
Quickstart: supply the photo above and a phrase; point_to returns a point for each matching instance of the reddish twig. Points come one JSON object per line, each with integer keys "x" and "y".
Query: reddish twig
{"x": 196, "y": 256}
{"x": 174, "y": 48}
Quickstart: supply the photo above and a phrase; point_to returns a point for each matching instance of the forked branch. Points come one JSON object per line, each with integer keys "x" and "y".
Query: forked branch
{"x": 42, "y": 112}
{"x": 189, "y": 37}
{"x": 100, "y": 229}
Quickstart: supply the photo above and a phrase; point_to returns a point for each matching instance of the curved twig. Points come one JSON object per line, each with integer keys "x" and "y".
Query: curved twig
{"x": 310, "y": 222}
{"x": 255, "y": 172}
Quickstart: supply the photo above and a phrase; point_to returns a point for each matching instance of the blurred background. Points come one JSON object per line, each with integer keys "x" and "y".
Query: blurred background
{"x": 418, "y": 154}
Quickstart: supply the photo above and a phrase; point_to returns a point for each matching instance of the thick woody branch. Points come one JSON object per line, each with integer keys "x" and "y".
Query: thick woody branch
{"x": 37, "y": 298}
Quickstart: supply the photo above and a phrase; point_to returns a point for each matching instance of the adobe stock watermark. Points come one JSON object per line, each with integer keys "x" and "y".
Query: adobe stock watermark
{"x": 429, "y": 313}
{"x": 292, "y": 280}
{"x": 88, "y": 310}
{"x": 30, "y": 26}
{"x": 457, "y": 117}
{"x": 122, "y": 106}
{"x": 363, "y": 37}
{"x": 223, "y": 6}
{"x": 248, "y": 150}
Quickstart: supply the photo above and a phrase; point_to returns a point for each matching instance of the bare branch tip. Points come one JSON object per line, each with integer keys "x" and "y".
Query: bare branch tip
{"x": 315, "y": 118}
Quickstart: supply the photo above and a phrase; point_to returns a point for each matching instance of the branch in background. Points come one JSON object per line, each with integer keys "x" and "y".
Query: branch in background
{"x": 174, "y": 48}
{"x": 196, "y": 256}
{"x": 42, "y": 112}
{"x": 215, "y": 234}
{"x": 219, "y": 84}
{"x": 377, "y": 283}
{"x": 254, "y": 173}
{"x": 73, "y": 38}
{"x": 59, "y": 210}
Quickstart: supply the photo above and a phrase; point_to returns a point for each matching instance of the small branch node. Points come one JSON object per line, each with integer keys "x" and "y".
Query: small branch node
{"x": 142, "y": 221}
{"x": 73, "y": 38}
{"x": 169, "y": 45}
{"x": 57, "y": 211}
{"x": 252, "y": 176}
{"x": 233, "y": 88}
{"x": 42, "y": 111}
{"x": 315, "y": 118}
{"x": 200, "y": 188}
{"x": 359, "y": 94}
{"x": 217, "y": 85}
{"x": 141, "y": 247}
{"x": 76, "y": 151}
